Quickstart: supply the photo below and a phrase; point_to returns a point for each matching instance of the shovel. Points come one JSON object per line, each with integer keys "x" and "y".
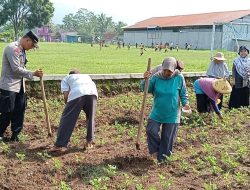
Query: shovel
{"x": 143, "y": 107}
{"x": 45, "y": 108}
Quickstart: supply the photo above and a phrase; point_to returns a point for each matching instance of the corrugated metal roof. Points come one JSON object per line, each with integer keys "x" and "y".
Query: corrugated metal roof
{"x": 191, "y": 20}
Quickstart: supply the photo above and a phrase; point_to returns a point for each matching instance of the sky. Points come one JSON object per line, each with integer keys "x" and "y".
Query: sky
{"x": 132, "y": 11}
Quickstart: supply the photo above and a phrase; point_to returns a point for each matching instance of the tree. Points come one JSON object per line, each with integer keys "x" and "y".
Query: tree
{"x": 70, "y": 22}
{"x": 7, "y": 33}
{"x": 83, "y": 22}
{"x": 105, "y": 24}
{"x": 91, "y": 26}
{"x": 25, "y": 13}
{"x": 119, "y": 28}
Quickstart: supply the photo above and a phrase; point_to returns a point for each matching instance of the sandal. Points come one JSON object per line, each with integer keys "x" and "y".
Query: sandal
{"x": 59, "y": 149}
{"x": 89, "y": 145}
{"x": 153, "y": 156}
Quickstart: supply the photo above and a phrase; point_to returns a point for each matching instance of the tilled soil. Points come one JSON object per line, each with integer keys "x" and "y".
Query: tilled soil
{"x": 201, "y": 158}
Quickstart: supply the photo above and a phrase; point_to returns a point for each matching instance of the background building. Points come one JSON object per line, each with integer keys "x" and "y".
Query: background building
{"x": 226, "y": 28}
{"x": 44, "y": 33}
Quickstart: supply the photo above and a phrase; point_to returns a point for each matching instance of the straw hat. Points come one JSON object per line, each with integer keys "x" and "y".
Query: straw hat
{"x": 222, "y": 86}
{"x": 219, "y": 56}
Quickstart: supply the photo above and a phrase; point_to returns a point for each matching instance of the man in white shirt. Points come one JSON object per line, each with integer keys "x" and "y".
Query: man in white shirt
{"x": 80, "y": 93}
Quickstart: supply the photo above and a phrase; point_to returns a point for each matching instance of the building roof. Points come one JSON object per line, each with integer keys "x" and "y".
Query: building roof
{"x": 191, "y": 20}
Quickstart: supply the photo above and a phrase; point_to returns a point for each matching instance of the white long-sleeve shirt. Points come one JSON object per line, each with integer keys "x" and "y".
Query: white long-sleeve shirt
{"x": 78, "y": 85}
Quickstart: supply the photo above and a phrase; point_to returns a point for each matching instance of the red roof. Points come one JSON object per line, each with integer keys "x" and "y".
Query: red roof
{"x": 191, "y": 20}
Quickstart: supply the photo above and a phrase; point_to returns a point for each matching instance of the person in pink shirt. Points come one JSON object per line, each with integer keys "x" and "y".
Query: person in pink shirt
{"x": 206, "y": 96}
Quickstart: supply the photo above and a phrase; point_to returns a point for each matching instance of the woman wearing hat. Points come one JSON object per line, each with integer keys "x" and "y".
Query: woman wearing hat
{"x": 206, "y": 96}
{"x": 241, "y": 79}
{"x": 167, "y": 84}
{"x": 218, "y": 69}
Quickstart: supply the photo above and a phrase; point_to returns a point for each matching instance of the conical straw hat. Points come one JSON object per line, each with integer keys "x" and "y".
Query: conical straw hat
{"x": 222, "y": 86}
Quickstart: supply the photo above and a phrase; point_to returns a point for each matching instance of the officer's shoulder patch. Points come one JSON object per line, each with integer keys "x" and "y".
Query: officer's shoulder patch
{"x": 17, "y": 50}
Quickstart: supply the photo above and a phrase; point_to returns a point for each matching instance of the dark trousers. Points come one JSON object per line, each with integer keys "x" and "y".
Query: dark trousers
{"x": 239, "y": 97}
{"x": 162, "y": 145}
{"x": 70, "y": 115}
{"x": 15, "y": 116}
{"x": 202, "y": 103}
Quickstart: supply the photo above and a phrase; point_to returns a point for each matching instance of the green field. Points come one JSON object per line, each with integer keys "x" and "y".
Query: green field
{"x": 59, "y": 58}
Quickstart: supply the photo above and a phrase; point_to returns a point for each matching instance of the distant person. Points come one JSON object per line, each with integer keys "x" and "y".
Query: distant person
{"x": 241, "y": 79}
{"x": 136, "y": 45}
{"x": 118, "y": 45}
{"x": 166, "y": 47}
{"x": 142, "y": 49}
{"x": 128, "y": 46}
{"x": 177, "y": 47}
{"x": 169, "y": 90}
{"x": 156, "y": 47}
{"x": 218, "y": 69}
{"x": 171, "y": 46}
{"x": 80, "y": 93}
{"x": 152, "y": 45}
{"x": 100, "y": 44}
{"x": 189, "y": 47}
{"x": 160, "y": 46}
{"x": 12, "y": 84}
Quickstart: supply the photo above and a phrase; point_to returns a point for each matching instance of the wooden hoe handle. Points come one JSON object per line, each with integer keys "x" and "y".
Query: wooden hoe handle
{"x": 45, "y": 107}
{"x": 143, "y": 107}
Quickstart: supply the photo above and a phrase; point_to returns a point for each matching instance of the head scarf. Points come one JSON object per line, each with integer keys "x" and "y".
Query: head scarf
{"x": 242, "y": 65}
{"x": 169, "y": 63}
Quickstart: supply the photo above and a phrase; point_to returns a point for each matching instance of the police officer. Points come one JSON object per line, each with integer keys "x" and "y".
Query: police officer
{"x": 12, "y": 87}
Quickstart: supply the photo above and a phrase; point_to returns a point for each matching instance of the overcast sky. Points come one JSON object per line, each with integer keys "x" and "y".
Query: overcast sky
{"x": 132, "y": 11}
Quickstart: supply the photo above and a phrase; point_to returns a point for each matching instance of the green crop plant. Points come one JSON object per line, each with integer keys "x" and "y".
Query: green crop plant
{"x": 20, "y": 156}
{"x": 229, "y": 161}
{"x": 57, "y": 164}
{"x": 212, "y": 160}
{"x": 110, "y": 170}
{"x": 184, "y": 165}
{"x": 207, "y": 148}
{"x": 99, "y": 183}
{"x": 200, "y": 164}
{"x": 241, "y": 178}
{"x": 44, "y": 155}
{"x": 139, "y": 186}
{"x": 5, "y": 148}
{"x": 210, "y": 186}
{"x": 2, "y": 168}
{"x": 64, "y": 186}
{"x": 23, "y": 137}
{"x": 165, "y": 183}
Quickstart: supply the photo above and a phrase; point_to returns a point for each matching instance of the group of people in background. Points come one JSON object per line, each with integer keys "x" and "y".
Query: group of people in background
{"x": 166, "y": 83}
{"x": 208, "y": 98}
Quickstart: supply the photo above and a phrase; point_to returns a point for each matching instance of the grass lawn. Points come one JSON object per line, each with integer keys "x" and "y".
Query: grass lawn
{"x": 59, "y": 58}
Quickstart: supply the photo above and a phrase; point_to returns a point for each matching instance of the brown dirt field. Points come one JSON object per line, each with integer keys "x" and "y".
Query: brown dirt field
{"x": 208, "y": 154}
